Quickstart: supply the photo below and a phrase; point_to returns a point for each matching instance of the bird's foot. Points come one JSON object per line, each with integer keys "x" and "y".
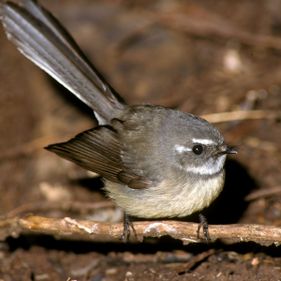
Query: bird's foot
{"x": 205, "y": 228}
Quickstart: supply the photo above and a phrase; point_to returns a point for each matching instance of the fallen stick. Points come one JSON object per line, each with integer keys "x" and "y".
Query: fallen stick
{"x": 85, "y": 230}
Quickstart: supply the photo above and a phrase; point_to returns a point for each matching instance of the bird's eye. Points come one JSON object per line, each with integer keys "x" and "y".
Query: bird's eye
{"x": 197, "y": 149}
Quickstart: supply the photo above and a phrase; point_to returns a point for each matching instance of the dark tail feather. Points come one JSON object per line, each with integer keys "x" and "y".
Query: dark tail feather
{"x": 42, "y": 39}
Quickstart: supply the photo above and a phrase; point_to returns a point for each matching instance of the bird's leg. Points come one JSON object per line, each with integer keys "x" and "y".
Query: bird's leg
{"x": 205, "y": 227}
{"x": 127, "y": 227}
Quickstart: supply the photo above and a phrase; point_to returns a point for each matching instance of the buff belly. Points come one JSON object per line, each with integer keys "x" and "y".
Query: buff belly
{"x": 167, "y": 199}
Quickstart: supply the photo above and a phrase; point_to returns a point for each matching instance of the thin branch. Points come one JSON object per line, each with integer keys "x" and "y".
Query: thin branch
{"x": 65, "y": 206}
{"x": 241, "y": 115}
{"x": 68, "y": 228}
{"x": 263, "y": 193}
{"x": 196, "y": 21}
{"x": 213, "y": 26}
{"x": 26, "y": 148}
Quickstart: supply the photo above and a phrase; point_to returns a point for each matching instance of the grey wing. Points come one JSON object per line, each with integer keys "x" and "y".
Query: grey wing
{"x": 99, "y": 150}
{"x": 42, "y": 39}
{"x": 139, "y": 153}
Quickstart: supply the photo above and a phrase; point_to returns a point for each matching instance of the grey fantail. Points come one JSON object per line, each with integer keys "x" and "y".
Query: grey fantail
{"x": 156, "y": 162}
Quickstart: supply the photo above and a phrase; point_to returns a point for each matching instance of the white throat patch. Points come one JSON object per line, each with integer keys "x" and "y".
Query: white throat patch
{"x": 211, "y": 167}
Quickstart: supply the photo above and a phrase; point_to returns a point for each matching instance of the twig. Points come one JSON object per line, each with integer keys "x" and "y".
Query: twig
{"x": 213, "y": 26}
{"x": 68, "y": 228}
{"x": 263, "y": 193}
{"x": 26, "y": 148}
{"x": 196, "y": 21}
{"x": 195, "y": 261}
{"x": 241, "y": 115}
{"x": 69, "y": 206}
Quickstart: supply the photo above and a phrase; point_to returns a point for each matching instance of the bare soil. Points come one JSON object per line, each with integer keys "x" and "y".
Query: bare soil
{"x": 198, "y": 56}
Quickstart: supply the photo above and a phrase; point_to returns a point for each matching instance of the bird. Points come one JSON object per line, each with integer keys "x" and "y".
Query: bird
{"x": 156, "y": 162}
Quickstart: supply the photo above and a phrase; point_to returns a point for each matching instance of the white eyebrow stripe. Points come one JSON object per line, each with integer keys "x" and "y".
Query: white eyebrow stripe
{"x": 181, "y": 148}
{"x": 203, "y": 141}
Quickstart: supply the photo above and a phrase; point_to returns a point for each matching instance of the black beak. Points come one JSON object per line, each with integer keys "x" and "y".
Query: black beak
{"x": 225, "y": 149}
{"x": 231, "y": 150}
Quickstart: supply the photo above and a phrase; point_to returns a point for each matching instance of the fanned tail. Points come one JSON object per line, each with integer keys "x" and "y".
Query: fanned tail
{"x": 43, "y": 40}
